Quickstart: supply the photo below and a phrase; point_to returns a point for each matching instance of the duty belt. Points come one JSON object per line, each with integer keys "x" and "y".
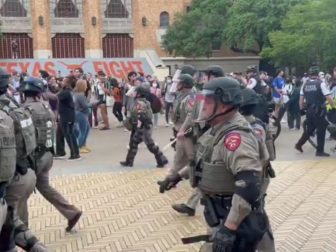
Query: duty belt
{"x": 225, "y": 201}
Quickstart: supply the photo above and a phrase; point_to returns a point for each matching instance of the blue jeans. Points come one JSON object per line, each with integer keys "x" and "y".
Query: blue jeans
{"x": 83, "y": 128}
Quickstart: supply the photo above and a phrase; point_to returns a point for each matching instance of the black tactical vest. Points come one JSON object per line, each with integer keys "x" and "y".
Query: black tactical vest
{"x": 313, "y": 93}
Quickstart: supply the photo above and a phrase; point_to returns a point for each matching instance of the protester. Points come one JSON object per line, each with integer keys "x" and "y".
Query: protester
{"x": 155, "y": 90}
{"x": 67, "y": 119}
{"x": 82, "y": 115}
{"x": 118, "y": 96}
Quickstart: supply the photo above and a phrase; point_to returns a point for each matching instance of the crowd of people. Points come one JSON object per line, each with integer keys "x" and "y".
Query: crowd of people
{"x": 222, "y": 140}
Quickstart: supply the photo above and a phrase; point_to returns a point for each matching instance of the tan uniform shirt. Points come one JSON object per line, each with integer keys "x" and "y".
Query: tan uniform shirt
{"x": 236, "y": 151}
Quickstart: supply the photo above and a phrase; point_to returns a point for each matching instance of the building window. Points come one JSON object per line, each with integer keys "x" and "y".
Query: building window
{"x": 116, "y": 9}
{"x": 16, "y": 46}
{"x": 68, "y": 45}
{"x": 13, "y": 8}
{"x": 66, "y": 8}
{"x": 117, "y": 46}
{"x": 164, "y": 19}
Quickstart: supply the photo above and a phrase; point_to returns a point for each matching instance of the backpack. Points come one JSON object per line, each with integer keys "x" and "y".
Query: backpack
{"x": 155, "y": 102}
{"x": 23, "y": 127}
{"x": 43, "y": 122}
{"x": 7, "y": 148}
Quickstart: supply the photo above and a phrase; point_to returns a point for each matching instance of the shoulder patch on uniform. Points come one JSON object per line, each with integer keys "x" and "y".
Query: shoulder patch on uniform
{"x": 258, "y": 132}
{"x": 232, "y": 141}
{"x": 191, "y": 101}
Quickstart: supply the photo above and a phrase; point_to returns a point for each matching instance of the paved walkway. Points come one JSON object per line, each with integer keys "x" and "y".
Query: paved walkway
{"x": 123, "y": 211}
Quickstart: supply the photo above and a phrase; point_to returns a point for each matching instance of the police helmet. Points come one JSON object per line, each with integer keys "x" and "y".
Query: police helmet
{"x": 32, "y": 84}
{"x": 215, "y": 70}
{"x": 188, "y": 69}
{"x": 186, "y": 80}
{"x": 226, "y": 89}
{"x": 249, "y": 97}
{"x": 314, "y": 71}
{"x": 4, "y": 78}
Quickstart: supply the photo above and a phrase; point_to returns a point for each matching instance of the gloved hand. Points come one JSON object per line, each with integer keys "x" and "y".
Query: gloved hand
{"x": 223, "y": 240}
{"x": 169, "y": 182}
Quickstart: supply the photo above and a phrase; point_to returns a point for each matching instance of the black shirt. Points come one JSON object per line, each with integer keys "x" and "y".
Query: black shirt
{"x": 66, "y": 106}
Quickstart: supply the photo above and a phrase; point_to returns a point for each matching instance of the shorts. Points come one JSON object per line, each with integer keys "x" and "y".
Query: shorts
{"x": 277, "y": 100}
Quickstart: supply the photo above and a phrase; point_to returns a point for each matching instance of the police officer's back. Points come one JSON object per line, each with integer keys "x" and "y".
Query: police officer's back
{"x": 314, "y": 94}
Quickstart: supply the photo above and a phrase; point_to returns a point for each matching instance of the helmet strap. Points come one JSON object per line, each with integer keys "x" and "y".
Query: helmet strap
{"x": 214, "y": 116}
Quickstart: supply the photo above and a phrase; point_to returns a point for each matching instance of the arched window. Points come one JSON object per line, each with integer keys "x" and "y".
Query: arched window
{"x": 164, "y": 19}
{"x": 13, "y": 8}
{"x": 116, "y": 9}
{"x": 66, "y": 8}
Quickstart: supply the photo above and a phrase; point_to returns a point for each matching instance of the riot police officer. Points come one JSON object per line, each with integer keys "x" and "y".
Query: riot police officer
{"x": 198, "y": 128}
{"x": 214, "y": 71}
{"x": 141, "y": 124}
{"x": 228, "y": 171}
{"x": 7, "y": 169}
{"x": 43, "y": 119}
{"x": 24, "y": 181}
{"x": 313, "y": 96}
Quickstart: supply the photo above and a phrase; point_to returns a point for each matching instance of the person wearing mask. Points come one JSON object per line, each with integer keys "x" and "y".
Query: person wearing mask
{"x": 168, "y": 99}
{"x": 82, "y": 115}
{"x": 67, "y": 119}
{"x": 156, "y": 90}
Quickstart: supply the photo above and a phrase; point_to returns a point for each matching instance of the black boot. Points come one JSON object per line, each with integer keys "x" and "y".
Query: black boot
{"x": 126, "y": 164}
{"x": 161, "y": 160}
{"x": 184, "y": 209}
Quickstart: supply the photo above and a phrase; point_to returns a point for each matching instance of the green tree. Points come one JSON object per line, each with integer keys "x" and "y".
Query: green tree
{"x": 250, "y": 21}
{"x": 241, "y": 25}
{"x": 308, "y": 36}
{"x": 193, "y": 33}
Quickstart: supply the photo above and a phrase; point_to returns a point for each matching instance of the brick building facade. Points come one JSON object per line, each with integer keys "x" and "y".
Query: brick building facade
{"x": 90, "y": 29}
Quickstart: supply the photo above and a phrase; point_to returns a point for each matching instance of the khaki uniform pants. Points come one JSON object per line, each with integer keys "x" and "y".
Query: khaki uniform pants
{"x": 194, "y": 198}
{"x": 18, "y": 192}
{"x": 185, "y": 152}
{"x": 44, "y": 165}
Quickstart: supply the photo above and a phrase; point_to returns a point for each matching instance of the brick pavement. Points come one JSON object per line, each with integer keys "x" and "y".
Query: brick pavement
{"x": 123, "y": 211}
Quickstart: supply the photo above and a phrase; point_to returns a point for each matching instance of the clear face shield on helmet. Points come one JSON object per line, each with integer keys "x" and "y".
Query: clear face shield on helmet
{"x": 206, "y": 106}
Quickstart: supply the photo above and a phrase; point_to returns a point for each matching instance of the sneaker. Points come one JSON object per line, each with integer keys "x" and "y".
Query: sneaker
{"x": 104, "y": 128}
{"x": 322, "y": 154}
{"x": 83, "y": 150}
{"x": 73, "y": 221}
{"x": 60, "y": 156}
{"x": 183, "y": 208}
{"x": 87, "y": 148}
{"x": 74, "y": 158}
